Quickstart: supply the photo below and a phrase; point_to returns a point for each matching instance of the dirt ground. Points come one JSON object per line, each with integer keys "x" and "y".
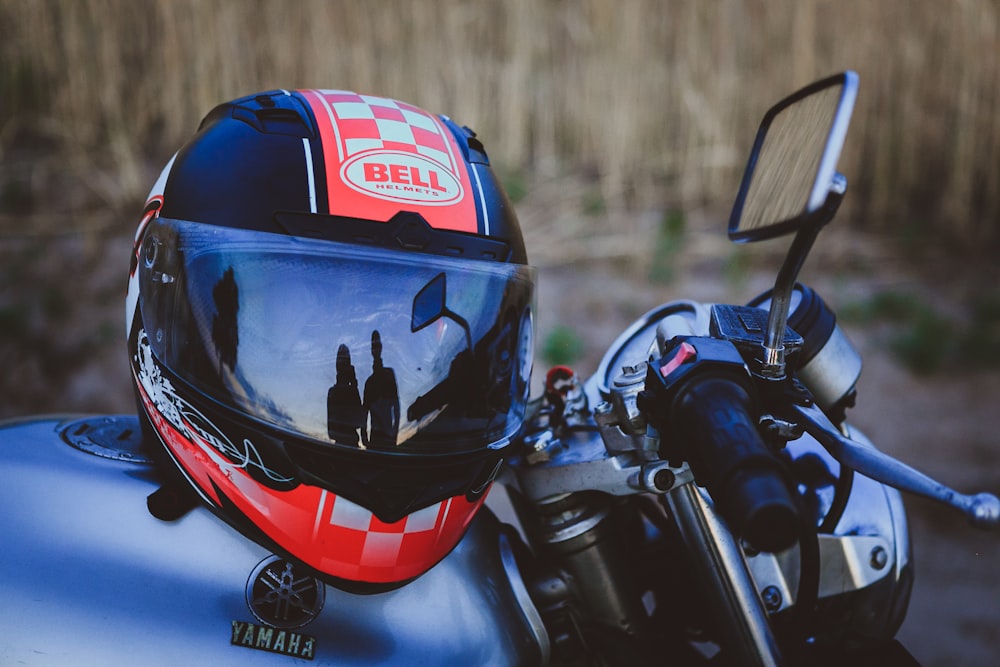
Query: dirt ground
{"x": 62, "y": 307}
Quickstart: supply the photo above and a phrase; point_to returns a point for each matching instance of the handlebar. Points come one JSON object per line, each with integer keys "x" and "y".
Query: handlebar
{"x": 729, "y": 457}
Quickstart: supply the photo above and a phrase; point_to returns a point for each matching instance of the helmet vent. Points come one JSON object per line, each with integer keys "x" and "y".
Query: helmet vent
{"x": 270, "y": 116}
{"x": 405, "y": 231}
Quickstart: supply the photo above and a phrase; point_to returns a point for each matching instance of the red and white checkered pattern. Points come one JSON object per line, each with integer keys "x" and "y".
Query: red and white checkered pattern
{"x": 366, "y": 123}
{"x": 356, "y": 127}
{"x": 370, "y": 550}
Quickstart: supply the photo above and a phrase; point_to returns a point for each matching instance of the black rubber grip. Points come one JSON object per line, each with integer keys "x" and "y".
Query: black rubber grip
{"x": 729, "y": 458}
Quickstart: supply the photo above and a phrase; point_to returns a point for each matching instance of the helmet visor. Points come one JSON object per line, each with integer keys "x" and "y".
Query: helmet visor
{"x": 360, "y": 346}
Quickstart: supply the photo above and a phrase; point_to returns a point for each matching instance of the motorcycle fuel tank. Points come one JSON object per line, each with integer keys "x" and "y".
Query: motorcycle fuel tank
{"x": 90, "y": 577}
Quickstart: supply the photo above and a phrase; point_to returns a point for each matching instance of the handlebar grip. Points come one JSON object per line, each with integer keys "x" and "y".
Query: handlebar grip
{"x": 730, "y": 459}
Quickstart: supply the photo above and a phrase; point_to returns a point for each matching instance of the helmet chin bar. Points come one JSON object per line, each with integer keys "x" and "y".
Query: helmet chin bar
{"x": 389, "y": 485}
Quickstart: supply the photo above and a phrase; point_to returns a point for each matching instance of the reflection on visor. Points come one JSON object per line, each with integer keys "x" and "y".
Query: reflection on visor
{"x": 361, "y": 346}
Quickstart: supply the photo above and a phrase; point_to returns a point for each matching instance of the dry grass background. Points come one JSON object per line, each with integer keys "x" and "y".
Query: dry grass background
{"x": 619, "y": 125}
{"x": 655, "y": 101}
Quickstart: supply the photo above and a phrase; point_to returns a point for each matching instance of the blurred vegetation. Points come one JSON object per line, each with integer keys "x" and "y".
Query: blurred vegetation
{"x": 669, "y": 242}
{"x": 925, "y": 338}
{"x": 60, "y": 322}
{"x": 621, "y": 129}
{"x": 654, "y": 102}
{"x": 562, "y": 346}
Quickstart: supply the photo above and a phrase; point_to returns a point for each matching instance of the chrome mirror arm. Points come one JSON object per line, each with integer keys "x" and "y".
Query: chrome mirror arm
{"x": 772, "y": 365}
{"x": 982, "y": 509}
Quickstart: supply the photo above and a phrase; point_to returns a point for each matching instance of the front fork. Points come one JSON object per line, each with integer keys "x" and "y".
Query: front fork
{"x": 731, "y": 595}
{"x": 594, "y": 579}
{"x": 582, "y": 534}
{"x": 578, "y": 524}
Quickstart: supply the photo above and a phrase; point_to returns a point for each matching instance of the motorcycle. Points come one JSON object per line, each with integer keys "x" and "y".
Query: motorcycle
{"x": 700, "y": 499}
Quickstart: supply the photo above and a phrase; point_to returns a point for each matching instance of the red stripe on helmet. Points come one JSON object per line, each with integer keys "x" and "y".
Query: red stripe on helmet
{"x": 327, "y": 532}
{"x": 383, "y": 157}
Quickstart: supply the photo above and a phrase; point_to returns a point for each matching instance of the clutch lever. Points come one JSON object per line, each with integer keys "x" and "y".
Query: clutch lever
{"x": 982, "y": 509}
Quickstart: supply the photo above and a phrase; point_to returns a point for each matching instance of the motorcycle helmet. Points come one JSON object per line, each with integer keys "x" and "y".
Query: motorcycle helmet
{"x": 329, "y": 321}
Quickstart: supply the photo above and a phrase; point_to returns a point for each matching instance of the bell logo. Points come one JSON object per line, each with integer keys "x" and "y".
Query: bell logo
{"x": 402, "y": 177}
{"x": 400, "y": 174}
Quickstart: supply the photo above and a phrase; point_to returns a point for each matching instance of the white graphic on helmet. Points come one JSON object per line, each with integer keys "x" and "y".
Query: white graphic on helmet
{"x": 155, "y": 195}
{"x": 402, "y": 177}
{"x": 193, "y": 424}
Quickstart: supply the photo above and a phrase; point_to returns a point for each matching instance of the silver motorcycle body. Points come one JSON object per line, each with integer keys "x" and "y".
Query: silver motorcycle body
{"x": 92, "y": 578}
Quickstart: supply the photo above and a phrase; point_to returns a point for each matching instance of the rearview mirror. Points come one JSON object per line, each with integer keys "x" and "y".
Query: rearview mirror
{"x": 429, "y": 304}
{"x": 792, "y": 166}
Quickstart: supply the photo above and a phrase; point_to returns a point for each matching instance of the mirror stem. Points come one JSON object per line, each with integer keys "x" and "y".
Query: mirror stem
{"x": 462, "y": 323}
{"x": 772, "y": 366}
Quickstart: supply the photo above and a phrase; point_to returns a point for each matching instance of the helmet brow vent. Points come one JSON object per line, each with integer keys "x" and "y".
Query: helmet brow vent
{"x": 404, "y": 231}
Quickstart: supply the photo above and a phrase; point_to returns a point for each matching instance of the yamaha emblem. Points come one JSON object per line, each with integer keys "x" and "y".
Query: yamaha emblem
{"x": 281, "y": 595}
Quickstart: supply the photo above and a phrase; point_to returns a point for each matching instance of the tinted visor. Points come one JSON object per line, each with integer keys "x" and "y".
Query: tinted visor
{"x": 363, "y": 347}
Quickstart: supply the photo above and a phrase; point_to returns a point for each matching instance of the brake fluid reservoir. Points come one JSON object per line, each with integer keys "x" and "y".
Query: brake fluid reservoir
{"x": 829, "y": 365}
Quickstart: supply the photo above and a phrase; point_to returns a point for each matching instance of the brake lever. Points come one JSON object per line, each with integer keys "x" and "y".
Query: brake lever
{"x": 982, "y": 509}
